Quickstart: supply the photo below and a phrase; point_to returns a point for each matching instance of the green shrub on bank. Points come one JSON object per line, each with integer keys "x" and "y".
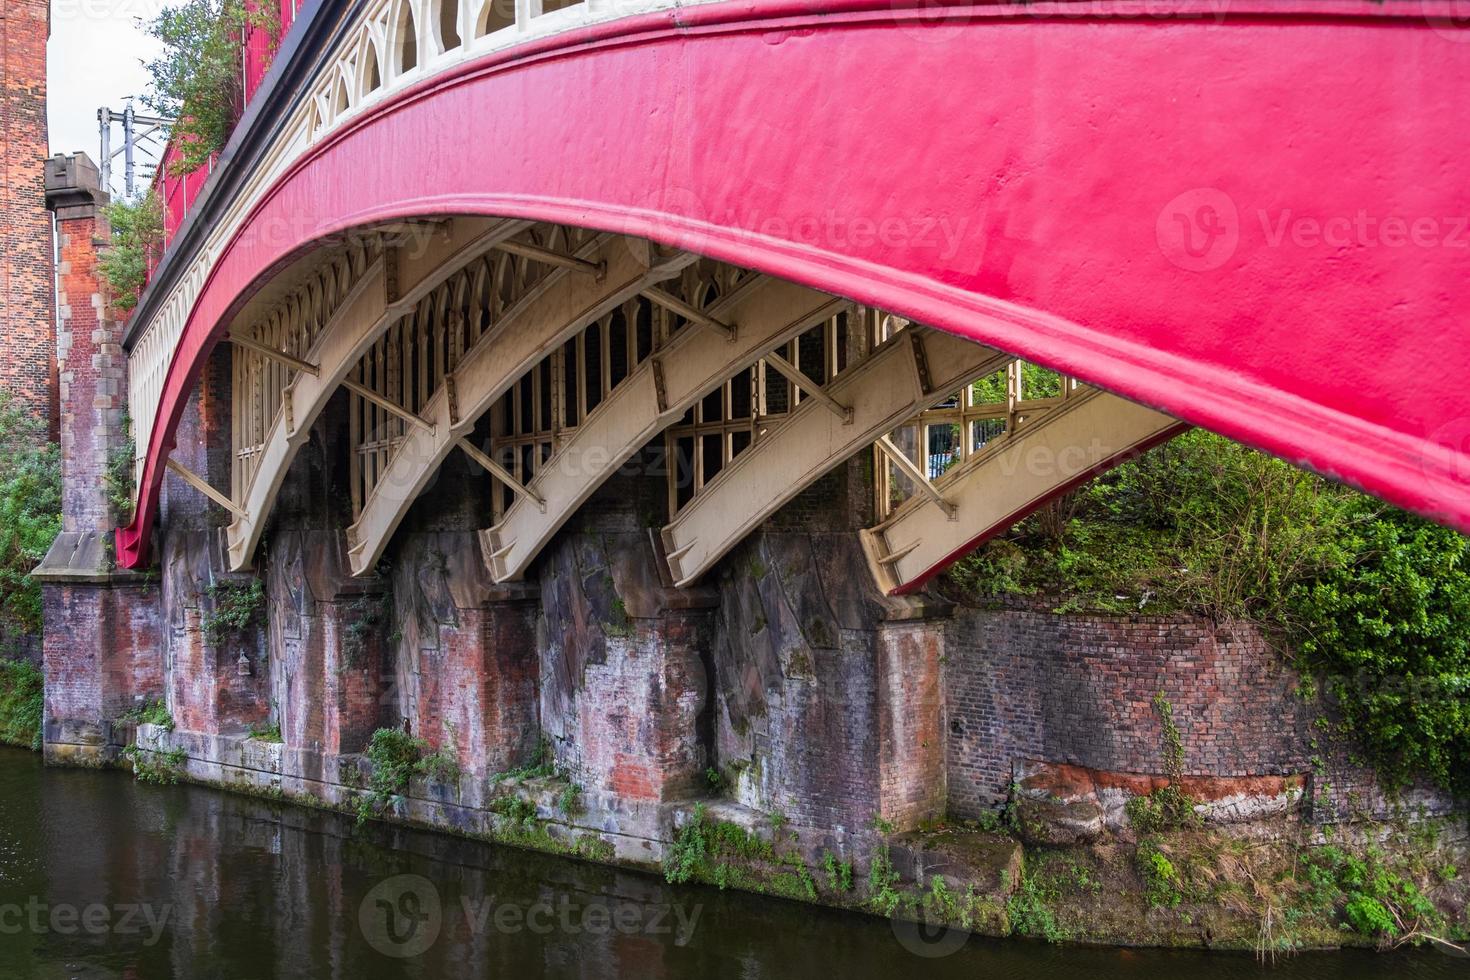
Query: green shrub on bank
{"x": 21, "y": 704}
{"x": 30, "y": 512}
{"x": 1376, "y": 599}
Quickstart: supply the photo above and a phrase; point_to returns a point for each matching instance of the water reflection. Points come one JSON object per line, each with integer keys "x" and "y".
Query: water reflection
{"x": 101, "y": 878}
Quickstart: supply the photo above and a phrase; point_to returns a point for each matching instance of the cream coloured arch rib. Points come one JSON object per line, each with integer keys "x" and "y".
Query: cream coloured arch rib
{"x": 765, "y": 313}
{"x": 565, "y": 302}
{"x": 1089, "y": 432}
{"x": 913, "y": 370}
{"x": 361, "y": 319}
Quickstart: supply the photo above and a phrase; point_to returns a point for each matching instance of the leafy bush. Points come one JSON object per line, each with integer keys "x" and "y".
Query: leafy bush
{"x": 1376, "y": 899}
{"x": 30, "y": 512}
{"x": 1391, "y": 626}
{"x": 1029, "y": 908}
{"x": 1160, "y": 877}
{"x": 160, "y": 767}
{"x": 235, "y": 606}
{"x": 151, "y": 713}
{"x": 118, "y": 477}
{"x": 22, "y": 703}
{"x": 197, "y": 79}
{"x": 395, "y": 755}
{"x": 137, "y": 244}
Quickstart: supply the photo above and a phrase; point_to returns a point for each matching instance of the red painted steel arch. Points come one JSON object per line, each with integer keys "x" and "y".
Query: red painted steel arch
{"x": 1250, "y": 215}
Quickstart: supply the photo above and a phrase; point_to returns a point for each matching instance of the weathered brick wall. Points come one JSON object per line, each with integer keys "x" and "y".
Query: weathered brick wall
{"x": 1079, "y": 689}
{"x": 215, "y": 686}
{"x": 27, "y": 369}
{"x": 88, "y": 352}
{"x": 462, "y": 651}
{"x": 465, "y": 659}
{"x": 1076, "y": 689}
{"x": 624, "y": 680}
{"x": 329, "y": 633}
{"x": 828, "y": 707}
{"x": 102, "y": 660}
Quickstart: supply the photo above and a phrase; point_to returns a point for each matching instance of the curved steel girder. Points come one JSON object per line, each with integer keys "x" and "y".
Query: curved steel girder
{"x": 765, "y": 314}
{"x": 362, "y": 318}
{"x": 1090, "y": 432}
{"x": 565, "y": 302}
{"x": 1145, "y": 227}
{"x": 912, "y": 371}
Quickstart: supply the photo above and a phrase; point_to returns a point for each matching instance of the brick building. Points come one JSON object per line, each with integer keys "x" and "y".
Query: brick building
{"x": 28, "y": 366}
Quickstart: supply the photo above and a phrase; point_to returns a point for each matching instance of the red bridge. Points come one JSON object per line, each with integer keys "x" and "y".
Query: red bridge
{"x": 775, "y": 234}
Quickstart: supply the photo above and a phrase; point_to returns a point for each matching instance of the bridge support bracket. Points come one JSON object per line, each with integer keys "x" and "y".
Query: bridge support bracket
{"x": 263, "y": 350}
{"x": 676, "y": 305}
{"x": 203, "y": 486}
{"x": 501, "y": 473}
{"x": 920, "y": 480}
{"x": 793, "y": 374}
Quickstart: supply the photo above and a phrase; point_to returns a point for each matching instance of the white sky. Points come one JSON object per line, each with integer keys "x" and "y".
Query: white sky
{"x": 94, "y": 59}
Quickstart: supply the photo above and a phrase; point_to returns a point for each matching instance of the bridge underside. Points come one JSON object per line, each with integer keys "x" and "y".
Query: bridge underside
{"x": 552, "y": 357}
{"x": 547, "y": 308}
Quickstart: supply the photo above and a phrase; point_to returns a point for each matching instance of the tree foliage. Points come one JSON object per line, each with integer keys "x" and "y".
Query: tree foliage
{"x": 137, "y": 243}
{"x": 1376, "y": 599}
{"x": 30, "y": 511}
{"x": 1391, "y": 626}
{"x": 197, "y": 80}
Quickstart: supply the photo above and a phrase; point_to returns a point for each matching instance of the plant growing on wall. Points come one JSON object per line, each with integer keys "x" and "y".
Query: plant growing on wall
{"x": 235, "y": 606}
{"x": 118, "y": 478}
{"x": 137, "y": 243}
{"x": 198, "y": 80}
{"x": 30, "y": 512}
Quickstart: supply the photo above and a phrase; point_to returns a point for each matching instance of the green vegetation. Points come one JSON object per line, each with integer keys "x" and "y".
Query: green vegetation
{"x": 716, "y": 781}
{"x": 1375, "y": 599}
{"x": 150, "y": 713}
{"x": 1160, "y": 878}
{"x": 197, "y": 78}
{"x": 726, "y": 855}
{"x": 270, "y": 733}
{"x": 1029, "y": 908}
{"x": 1375, "y": 899}
{"x": 235, "y": 606}
{"x": 396, "y": 757}
{"x": 1169, "y": 807}
{"x": 569, "y": 800}
{"x": 367, "y": 616}
{"x": 118, "y": 477}
{"x": 22, "y": 704}
{"x": 158, "y": 766}
{"x": 839, "y": 873}
{"x": 883, "y": 894}
{"x": 542, "y": 765}
{"x": 30, "y": 512}
{"x": 136, "y": 245}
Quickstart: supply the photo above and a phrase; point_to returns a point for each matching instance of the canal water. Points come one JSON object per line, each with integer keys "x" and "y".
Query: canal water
{"x": 101, "y": 877}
